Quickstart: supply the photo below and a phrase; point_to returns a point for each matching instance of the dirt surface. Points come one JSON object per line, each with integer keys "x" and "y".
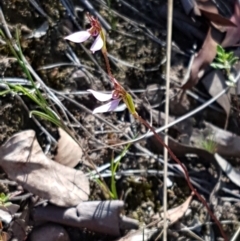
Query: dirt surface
{"x": 136, "y": 44}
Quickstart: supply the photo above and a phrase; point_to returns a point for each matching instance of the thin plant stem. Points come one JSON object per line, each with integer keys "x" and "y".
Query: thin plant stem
{"x": 107, "y": 65}
{"x": 235, "y": 236}
{"x": 120, "y": 92}
{"x": 130, "y": 105}
{"x": 186, "y": 175}
{"x": 168, "y": 63}
{"x": 178, "y": 120}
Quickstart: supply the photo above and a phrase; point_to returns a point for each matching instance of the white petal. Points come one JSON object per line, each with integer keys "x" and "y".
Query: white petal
{"x": 121, "y": 107}
{"x": 101, "y": 96}
{"x": 107, "y": 107}
{"x": 97, "y": 45}
{"x": 78, "y": 37}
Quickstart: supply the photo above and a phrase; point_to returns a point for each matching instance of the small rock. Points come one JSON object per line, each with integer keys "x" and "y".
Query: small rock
{"x": 79, "y": 78}
{"x": 227, "y": 205}
{"x": 5, "y": 216}
{"x": 188, "y": 212}
{"x": 49, "y": 232}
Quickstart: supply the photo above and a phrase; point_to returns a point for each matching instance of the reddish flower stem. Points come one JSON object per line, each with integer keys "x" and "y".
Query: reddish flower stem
{"x": 201, "y": 199}
{"x": 186, "y": 175}
{"x": 104, "y": 53}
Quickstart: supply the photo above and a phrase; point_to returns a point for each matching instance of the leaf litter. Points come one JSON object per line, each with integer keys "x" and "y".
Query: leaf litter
{"x": 146, "y": 54}
{"x": 69, "y": 153}
{"x": 24, "y": 162}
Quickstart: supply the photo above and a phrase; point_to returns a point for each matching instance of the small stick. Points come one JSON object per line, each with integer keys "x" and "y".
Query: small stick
{"x": 168, "y": 67}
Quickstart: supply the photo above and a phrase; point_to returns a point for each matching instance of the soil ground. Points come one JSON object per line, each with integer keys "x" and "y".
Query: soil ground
{"x": 135, "y": 57}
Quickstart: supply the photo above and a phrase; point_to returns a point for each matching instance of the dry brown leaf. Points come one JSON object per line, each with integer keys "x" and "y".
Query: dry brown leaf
{"x": 69, "y": 153}
{"x": 174, "y": 214}
{"x": 24, "y": 162}
{"x": 233, "y": 33}
{"x": 210, "y": 11}
{"x": 204, "y": 57}
{"x": 232, "y": 173}
{"x": 210, "y": 7}
{"x": 3, "y": 235}
{"x": 207, "y": 5}
{"x": 97, "y": 216}
{"x": 214, "y": 82}
{"x": 216, "y": 18}
{"x": 214, "y": 37}
{"x": 227, "y": 143}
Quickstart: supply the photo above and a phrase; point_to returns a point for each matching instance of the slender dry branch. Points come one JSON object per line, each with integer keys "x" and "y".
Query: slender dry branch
{"x": 168, "y": 66}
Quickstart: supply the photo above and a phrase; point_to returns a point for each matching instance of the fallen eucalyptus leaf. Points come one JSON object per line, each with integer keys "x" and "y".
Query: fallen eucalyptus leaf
{"x": 204, "y": 57}
{"x": 69, "y": 153}
{"x": 216, "y": 18}
{"x": 214, "y": 82}
{"x": 232, "y": 36}
{"x": 4, "y": 236}
{"x": 215, "y": 36}
{"x": 174, "y": 214}
{"x": 12, "y": 208}
{"x": 207, "y": 6}
{"x": 98, "y": 216}
{"x": 227, "y": 143}
{"x": 24, "y": 162}
{"x": 231, "y": 172}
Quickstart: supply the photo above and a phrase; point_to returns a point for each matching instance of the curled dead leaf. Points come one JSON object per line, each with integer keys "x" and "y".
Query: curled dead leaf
{"x": 69, "y": 153}
{"x": 233, "y": 33}
{"x": 216, "y": 18}
{"x": 214, "y": 37}
{"x": 24, "y": 162}
{"x": 204, "y": 57}
{"x": 97, "y": 216}
{"x": 232, "y": 173}
{"x": 214, "y": 82}
{"x": 174, "y": 214}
